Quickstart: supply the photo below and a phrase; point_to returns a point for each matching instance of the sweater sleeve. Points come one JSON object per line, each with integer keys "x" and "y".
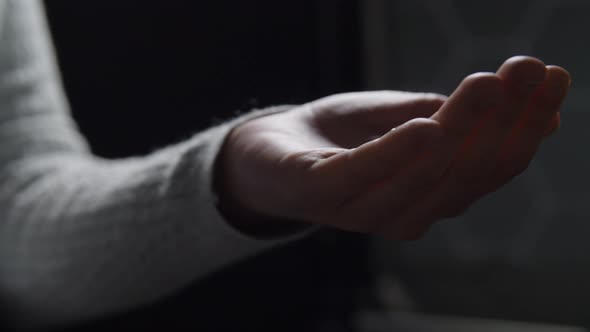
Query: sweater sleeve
{"x": 82, "y": 236}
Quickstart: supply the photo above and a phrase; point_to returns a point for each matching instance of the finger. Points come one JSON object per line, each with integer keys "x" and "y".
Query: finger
{"x": 476, "y": 95}
{"x": 523, "y": 142}
{"x": 477, "y": 158}
{"x": 377, "y": 111}
{"x": 391, "y": 109}
{"x": 377, "y": 209}
{"x": 451, "y": 198}
{"x": 346, "y": 174}
{"x": 522, "y": 76}
{"x": 435, "y": 205}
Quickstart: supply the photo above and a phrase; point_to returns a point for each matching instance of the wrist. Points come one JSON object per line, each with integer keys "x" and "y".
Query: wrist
{"x": 231, "y": 208}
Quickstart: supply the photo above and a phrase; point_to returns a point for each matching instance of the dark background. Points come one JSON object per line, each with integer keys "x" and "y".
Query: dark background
{"x": 144, "y": 74}
{"x": 141, "y": 74}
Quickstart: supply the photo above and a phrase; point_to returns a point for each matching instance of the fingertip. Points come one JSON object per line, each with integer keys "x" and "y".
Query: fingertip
{"x": 559, "y": 74}
{"x": 523, "y": 74}
{"x": 523, "y": 66}
{"x": 555, "y": 88}
{"x": 523, "y": 58}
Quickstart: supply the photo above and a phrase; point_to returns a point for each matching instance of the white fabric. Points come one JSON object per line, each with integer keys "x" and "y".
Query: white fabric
{"x": 82, "y": 236}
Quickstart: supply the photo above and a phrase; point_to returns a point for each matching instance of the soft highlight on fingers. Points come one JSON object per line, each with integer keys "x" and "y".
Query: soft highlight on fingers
{"x": 471, "y": 100}
{"x": 522, "y": 75}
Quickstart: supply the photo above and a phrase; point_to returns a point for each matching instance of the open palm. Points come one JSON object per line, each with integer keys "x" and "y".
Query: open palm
{"x": 392, "y": 163}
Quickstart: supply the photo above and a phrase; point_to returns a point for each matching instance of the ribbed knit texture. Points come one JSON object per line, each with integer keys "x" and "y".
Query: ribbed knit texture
{"x": 81, "y": 236}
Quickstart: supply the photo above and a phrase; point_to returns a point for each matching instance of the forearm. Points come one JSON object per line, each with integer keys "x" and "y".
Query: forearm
{"x": 82, "y": 236}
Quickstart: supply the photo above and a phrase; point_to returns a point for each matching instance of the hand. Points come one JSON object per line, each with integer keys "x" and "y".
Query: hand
{"x": 500, "y": 142}
{"x": 336, "y": 161}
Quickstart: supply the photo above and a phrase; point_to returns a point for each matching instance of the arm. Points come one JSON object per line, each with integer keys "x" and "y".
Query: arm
{"x": 82, "y": 236}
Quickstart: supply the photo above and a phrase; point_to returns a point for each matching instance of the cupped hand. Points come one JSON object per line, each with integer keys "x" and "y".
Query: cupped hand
{"x": 392, "y": 163}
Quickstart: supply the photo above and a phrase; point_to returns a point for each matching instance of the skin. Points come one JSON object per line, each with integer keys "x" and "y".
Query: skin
{"x": 392, "y": 163}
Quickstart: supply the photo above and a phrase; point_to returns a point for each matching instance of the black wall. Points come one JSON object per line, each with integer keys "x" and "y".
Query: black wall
{"x": 143, "y": 74}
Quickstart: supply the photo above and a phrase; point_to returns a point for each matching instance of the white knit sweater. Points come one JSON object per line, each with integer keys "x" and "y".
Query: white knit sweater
{"x": 82, "y": 236}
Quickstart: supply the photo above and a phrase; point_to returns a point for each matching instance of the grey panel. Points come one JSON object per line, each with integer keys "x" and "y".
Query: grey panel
{"x": 523, "y": 252}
